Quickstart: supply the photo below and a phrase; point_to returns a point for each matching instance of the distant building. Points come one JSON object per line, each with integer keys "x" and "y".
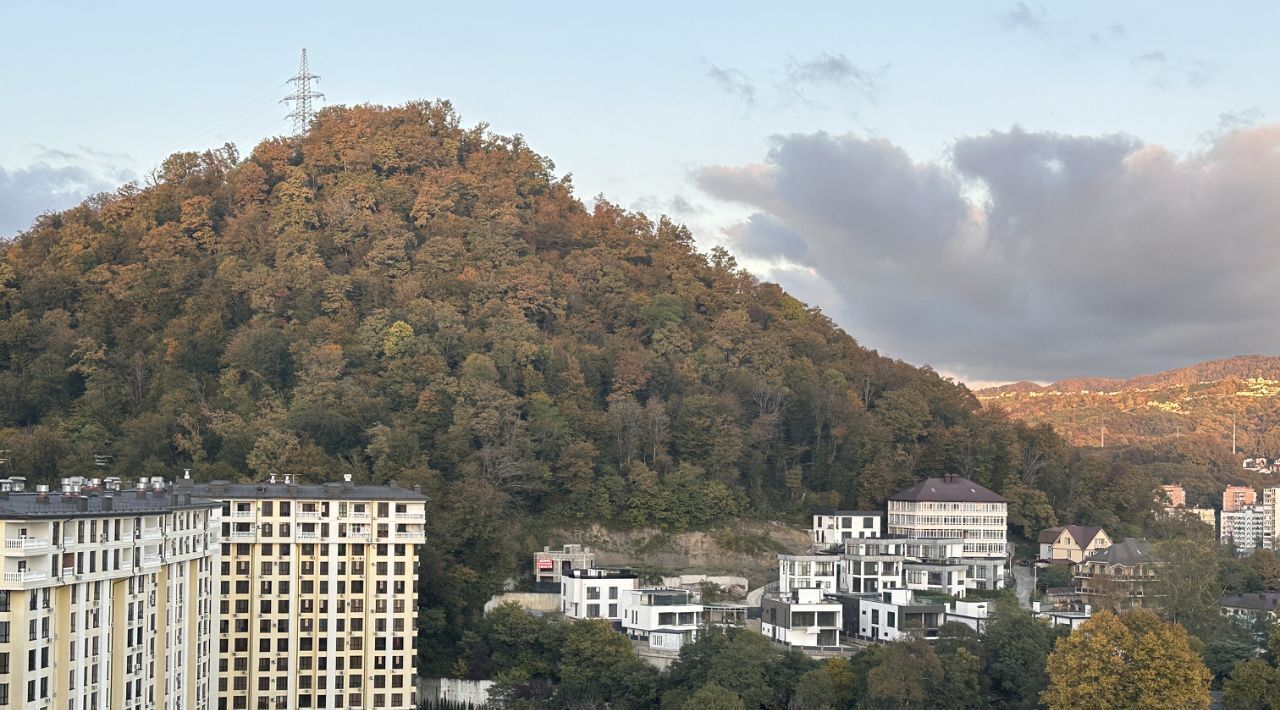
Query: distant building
{"x": 900, "y": 614}
{"x": 1270, "y": 515}
{"x": 667, "y": 618}
{"x": 1208, "y": 516}
{"x": 805, "y": 617}
{"x": 596, "y": 593}
{"x": 956, "y": 508}
{"x": 1243, "y": 529}
{"x": 803, "y": 571}
{"x": 1174, "y": 495}
{"x": 1123, "y": 576}
{"x": 1237, "y": 497}
{"x": 832, "y": 527}
{"x": 1072, "y": 543}
{"x": 936, "y": 565}
{"x": 1252, "y": 606}
{"x": 550, "y": 564}
{"x": 872, "y": 565}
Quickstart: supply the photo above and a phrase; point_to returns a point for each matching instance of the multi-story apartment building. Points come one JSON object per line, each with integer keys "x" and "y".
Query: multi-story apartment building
{"x": 1270, "y": 515}
{"x": 1243, "y": 529}
{"x": 1237, "y": 497}
{"x": 871, "y": 564}
{"x": 666, "y": 618}
{"x": 804, "y": 617}
{"x": 833, "y": 527}
{"x": 107, "y": 596}
{"x": 318, "y": 594}
{"x": 935, "y": 566}
{"x": 1175, "y": 496}
{"x": 953, "y": 507}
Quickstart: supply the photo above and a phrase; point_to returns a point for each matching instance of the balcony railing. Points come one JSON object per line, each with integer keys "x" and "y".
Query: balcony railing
{"x": 410, "y": 535}
{"x": 411, "y": 516}
{"x": 151, "y": 560}
{"x": 243, "y": 534}
{"x": 26, "y": 575}
{"x": 25, "y": 543}
{"x": 243, "y": 514}
{"x": 308, "y": 515}
{"x": 304, "y": 535}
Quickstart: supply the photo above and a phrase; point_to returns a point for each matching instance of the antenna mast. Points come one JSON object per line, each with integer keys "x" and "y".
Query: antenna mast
{"x": 302, "y": 96}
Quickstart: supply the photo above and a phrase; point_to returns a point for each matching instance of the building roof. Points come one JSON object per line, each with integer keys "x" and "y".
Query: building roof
{"x": 123, "y": 503}
{"x": 829, "y": 511}
{"x": 1130, "y": 552}
{"x": 948, "y": 489}
{"x": 1082, "y": 534}
{"x": 336, "y": 490}
{"x": 1256, "y": 601}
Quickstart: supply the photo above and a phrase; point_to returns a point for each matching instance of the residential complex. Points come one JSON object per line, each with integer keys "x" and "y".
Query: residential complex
{"x": 107, "y": 597}
{"x": 953, "y": 507}
{"x": 1123, "y": 576}
{"x": 805, "y": 617}
{"x": 833, "y": 527}
{"x": 318, "y": 594}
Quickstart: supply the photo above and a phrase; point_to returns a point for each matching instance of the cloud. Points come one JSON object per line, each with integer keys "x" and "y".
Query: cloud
{"x": 57, "y": 180}
{"x": 1113, "y": 31}
{"x": 676, "y": 206}
{"x": 830, "y": 70}
{"x": 1165, "y": 72}
{"x": 1020, "y": 17}
{"x": 735, "y": 83}
{"x": 1025, "y": 255}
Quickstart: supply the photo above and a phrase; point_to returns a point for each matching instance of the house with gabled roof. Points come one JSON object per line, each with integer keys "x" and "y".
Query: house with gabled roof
{"x": 1072, "y": 543}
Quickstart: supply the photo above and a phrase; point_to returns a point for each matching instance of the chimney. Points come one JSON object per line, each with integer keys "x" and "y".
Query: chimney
{"x": 288, "y": 479}
{"x": 346, "y": 480}
{"x": 271, "y": 478}
{"x": 42, "y": 493}
{"x": 19, "y": 483}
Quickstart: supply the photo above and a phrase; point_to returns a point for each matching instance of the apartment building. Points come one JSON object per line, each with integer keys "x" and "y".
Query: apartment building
{"x": 318, "y": 594}
{"x": 1175, "y": 496}
{"x": 804, "y": 617}
{"x": 1270, "y": 515}
{"x": 953, "y": 507}
{"x": 1121, "y": 577}
{"x": 666, "y": 618}
{"x": 1237, "y": 497}
{"x": 871, "y": 564}
{"x": 1242, "y": 529}
{"x": 936, "y": 565}
{"x": 107, "y": 596}
{"x": 833, "y": 527}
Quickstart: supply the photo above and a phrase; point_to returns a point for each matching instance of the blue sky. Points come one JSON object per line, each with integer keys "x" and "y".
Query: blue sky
{"x": 638, "y": 104}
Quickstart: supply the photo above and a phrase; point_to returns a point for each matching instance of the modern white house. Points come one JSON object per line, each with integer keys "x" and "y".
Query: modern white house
{"x": 804, "y": 571}
{"x": 935, "y": 565}
{"x": 899, "y": 614}
{"x": 667, "y": 618}
{"x": 956, "y": 508}
{"x": 871, "y": 564}
{"x": 832, "y": 527}
{"x": 805, "y": 617}
{"x": 595, "y": 593}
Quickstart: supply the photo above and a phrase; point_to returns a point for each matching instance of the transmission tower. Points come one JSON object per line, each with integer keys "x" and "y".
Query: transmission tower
{"x": 302, "y": 96}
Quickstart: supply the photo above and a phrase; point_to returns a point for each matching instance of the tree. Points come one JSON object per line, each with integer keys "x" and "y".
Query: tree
{"x": 1133, "y": 660}
{"x": 831, "y": 686}
{"x": 714, "y": 697}
{"x": 599, "y": 664}
{"x": 1015, "y": 649}
{"x": 908, "y": 674}
{"x": 961, "y": 686}
{"x": 1253, "y": 685}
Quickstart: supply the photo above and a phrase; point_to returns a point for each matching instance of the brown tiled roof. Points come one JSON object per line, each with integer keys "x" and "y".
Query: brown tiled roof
{"x": 1049, "y": 535}
{"x": 949, "y": 489}
{"x": 1083, "y": 534}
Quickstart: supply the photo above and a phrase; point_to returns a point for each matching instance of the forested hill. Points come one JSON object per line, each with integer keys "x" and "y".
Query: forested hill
{"x": 1204, "y": 399}
{"x": 400, "y": 297}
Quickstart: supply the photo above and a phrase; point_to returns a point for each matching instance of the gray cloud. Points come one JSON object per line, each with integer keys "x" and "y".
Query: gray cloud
{"x": 830, "y": 70}
{"x": 1021, "y": 17}
{"x": 1026, "y": 255}
{"x": 1165, "y": 72}
{"x": 735, "y": 83}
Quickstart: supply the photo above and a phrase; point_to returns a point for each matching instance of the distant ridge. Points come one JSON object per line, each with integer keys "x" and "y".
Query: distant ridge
{"x": 1201, "y": 398}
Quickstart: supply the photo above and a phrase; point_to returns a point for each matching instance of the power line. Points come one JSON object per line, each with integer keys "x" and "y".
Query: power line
{"x": 302, "y": 96}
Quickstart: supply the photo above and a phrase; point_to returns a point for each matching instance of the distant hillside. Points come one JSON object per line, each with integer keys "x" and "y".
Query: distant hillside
{"x": 1202, "y": 398}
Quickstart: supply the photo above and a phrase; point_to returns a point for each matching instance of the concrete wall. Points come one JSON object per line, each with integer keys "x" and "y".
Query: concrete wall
{"x": 475, "y": 692}
{"x": 532, "y": 601}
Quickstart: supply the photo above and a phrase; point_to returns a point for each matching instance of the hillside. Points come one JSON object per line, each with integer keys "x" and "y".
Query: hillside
{"x": 1202, "y": 399}
{"x": 397, "y": 296}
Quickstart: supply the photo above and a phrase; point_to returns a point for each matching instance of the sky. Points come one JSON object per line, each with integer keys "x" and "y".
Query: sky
{"x": 1002, "y": 190}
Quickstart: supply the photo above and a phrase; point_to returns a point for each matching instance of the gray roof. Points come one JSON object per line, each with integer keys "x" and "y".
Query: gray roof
{"x": 1130, "y": 552}
{"x": 98, "y": 504}
{"x": 226, "y": 490}
{"x": 948, "y": 489}
{"x": 828, "y": 511}
{"x": 1261, "y": 601}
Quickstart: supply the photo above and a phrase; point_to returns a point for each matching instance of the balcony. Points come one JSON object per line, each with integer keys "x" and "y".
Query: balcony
{"x": 26, "y": 575}
{"x": 151, "y": 560}
{"x": 303, "y": 535}
{"x": 150, "y": 534}
{"x": 243, "y": 534}
{"x": 26, "y": 544}
{"x": 411, "y": 536}
{"x": 417, "y": 517}
{"x": 357, "y": 516}
{"x": 243, "y": 514}
{"x": 308, "y": 515}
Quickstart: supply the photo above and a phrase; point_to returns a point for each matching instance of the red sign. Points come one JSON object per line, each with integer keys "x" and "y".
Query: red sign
{"x": 546, "y": 563}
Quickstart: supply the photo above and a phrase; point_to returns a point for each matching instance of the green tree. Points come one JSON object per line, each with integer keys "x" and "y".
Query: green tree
{"x": 714, "y": 697}
{"x": 1253, "y": 685}
{"x": 908, "y": 675}
{"x": 1134, "y": 660}
{"x": 1015, "y": 650}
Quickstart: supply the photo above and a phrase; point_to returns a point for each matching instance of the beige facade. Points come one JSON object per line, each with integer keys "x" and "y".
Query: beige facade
{"x": 319, "y": 595}
{"x": 107, "y": 597}
{"x": 1238, "y": 497}
{"x": 955, "y": 508}
{"x": 1072, "y": 543}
